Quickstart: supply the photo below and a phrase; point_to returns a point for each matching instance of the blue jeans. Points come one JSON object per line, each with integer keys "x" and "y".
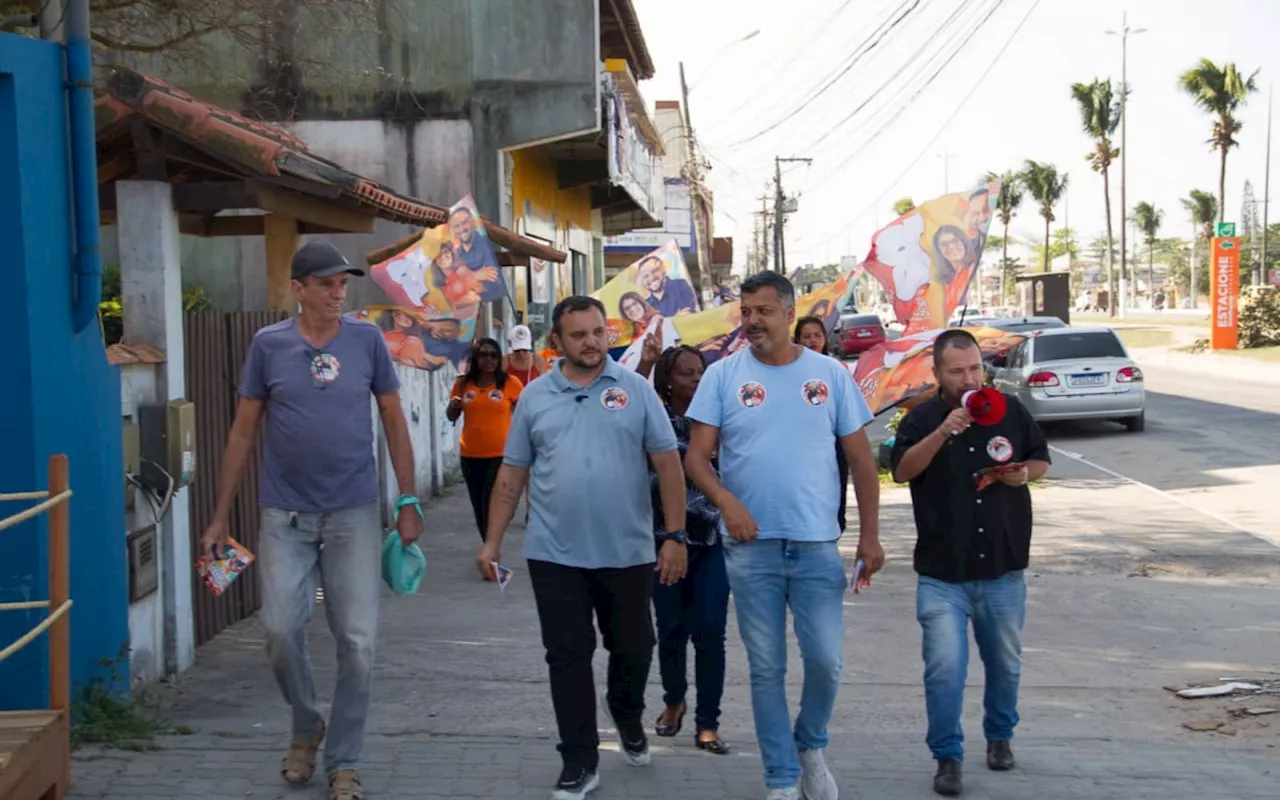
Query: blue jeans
{"x": 998, "y": 609}
{"x": 768, "y": 576}
{"x": 697, "y": 608}
{"x": 342, "y": 552}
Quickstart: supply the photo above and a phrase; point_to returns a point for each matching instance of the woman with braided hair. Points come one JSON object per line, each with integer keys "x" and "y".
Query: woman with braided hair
{"x": 696, "y": 607}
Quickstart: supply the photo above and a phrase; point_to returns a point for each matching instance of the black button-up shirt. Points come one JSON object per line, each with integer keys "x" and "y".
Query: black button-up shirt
{"x": 963, "y": 534}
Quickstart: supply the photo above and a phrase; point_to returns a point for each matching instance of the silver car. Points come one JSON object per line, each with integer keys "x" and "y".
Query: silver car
{"x": 1074, "y": 373}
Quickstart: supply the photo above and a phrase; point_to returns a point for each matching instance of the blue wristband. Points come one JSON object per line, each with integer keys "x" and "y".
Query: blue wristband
{"x": 409, "y": 500}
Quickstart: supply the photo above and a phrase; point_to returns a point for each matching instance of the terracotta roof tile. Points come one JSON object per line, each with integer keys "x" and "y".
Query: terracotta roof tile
{"x": 270, "y": 151}
{"x": 141, "y": 353}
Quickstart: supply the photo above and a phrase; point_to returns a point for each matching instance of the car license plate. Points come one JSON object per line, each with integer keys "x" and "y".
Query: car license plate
{"x": 1089, "y": 380}
{"x": 864, "y": 333}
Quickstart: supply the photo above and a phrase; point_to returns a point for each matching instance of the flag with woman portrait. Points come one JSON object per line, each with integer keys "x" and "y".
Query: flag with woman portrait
{"x": 647, "y": 296}
{"x": 435, "y": 288}
{"x": 927, "y": 258}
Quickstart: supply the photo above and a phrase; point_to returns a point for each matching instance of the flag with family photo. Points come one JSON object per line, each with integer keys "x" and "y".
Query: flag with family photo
{"x": 927, "y": 258}
{"x": 649, "y": 294}
{"x": 435, "y": 288}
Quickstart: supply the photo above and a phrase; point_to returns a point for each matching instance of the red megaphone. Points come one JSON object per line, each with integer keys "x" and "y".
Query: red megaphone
{"x": 985, "y": 406}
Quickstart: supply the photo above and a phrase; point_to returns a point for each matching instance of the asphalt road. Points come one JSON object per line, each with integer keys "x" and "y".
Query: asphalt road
{"x": 1211, "y": 444}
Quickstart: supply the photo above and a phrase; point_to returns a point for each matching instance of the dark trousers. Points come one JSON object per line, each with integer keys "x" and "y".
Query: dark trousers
{"x": 567, "y": 599}
{"x": 696, "y": 608}
{"x": 480, "y": 475}
{"x": 842, "y": 466}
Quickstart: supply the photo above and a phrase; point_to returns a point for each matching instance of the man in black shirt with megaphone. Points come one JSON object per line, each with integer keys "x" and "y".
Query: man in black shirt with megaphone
{"x": 969, "y": 453}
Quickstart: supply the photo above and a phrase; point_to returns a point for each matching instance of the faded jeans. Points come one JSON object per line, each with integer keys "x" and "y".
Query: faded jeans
{"x": 998, "y": 608}
{"x": 767, "y": 577}
{"x": 340, "y": 551}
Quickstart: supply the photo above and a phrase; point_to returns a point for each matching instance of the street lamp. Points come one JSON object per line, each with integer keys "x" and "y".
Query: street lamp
{"x": 1124, "y": 34}
{"x": 753, "y": 34}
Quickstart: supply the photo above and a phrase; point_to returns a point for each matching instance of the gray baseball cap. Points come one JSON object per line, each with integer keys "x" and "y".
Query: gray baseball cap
{"x": 322, "y": 260}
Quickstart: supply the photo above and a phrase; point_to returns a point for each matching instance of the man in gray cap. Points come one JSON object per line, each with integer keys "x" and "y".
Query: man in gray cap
{"x": 312, "y": 374}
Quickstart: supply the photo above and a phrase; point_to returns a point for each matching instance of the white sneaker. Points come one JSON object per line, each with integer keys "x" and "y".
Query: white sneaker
{"x": 784, "y": 794}
{"x": 816, "y": 781}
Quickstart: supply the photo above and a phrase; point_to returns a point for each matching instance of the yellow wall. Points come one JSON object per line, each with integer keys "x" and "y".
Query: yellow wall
{"x": 534, "y": 180}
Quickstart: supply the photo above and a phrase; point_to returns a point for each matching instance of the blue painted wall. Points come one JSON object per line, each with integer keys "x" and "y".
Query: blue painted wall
{"x": 57, "y": 394}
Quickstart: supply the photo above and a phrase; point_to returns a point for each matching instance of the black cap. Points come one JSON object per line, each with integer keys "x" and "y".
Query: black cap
{"x": 322, "y": 260}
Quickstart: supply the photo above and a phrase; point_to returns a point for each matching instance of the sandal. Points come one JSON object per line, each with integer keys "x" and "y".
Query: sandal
{"x": 299, "y": 763}
{"x": 345, "y": 785}
{"x": 715, "y": 746}
{"x": 663, "y": 729}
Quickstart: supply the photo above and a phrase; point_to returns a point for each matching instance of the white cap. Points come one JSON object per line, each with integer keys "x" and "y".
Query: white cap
{"x": 520, "y": 338}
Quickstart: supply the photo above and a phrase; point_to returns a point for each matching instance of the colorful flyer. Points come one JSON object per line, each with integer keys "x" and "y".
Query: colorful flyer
{"x": 501, "y": 575}
{"x": 219, "y": 571}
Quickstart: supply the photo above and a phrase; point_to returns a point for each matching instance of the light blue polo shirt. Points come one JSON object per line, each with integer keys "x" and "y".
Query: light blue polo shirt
{"x": 585, "y": 448}
{"x": 778, "y": 429}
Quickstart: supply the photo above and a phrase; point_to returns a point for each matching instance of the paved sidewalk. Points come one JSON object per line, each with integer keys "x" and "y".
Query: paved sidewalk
{"x": 462, "y": 707}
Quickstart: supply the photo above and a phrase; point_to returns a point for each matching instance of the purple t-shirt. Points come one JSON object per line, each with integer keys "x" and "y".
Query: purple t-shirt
{"x": 317, "y": 452}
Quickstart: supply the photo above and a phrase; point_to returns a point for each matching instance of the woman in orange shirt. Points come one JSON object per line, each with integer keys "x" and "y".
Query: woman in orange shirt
{"x": 486, "y": 397}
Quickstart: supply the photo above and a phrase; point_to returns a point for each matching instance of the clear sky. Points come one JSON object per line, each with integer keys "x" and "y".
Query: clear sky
{"x": 865, "y": 160}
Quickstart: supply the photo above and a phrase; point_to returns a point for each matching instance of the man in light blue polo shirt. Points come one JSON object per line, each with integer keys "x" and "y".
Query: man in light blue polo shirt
{"x": 775, "y": 412}
{"x": 581, "y": 435}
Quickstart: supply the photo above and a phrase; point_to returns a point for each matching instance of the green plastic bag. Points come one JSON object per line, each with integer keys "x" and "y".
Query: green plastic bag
{"x": 402, "y": 567}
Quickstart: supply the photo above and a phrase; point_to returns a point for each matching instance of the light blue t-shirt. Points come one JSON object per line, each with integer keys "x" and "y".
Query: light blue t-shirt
{"x": 778, "y": 428}
{"x": 587, "y": 449}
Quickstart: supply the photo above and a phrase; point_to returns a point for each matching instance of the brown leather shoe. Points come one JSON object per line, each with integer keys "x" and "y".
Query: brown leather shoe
{"x": 947, "y": 780}
{"x": 999, "y": 756}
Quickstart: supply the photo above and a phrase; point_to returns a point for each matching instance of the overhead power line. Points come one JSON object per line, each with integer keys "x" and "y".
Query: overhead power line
{"x": 963, "y": 102}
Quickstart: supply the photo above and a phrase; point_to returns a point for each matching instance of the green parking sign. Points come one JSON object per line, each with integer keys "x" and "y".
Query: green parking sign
{"x": 1225, "y": 229}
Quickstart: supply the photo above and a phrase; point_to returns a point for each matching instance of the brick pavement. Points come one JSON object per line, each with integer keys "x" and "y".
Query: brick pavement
{"x": 462, "y": 708}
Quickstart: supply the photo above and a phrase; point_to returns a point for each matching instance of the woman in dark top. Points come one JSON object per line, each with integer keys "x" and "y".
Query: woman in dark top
{"x": 696, "y": 607}
{"x": 811, "y": 332}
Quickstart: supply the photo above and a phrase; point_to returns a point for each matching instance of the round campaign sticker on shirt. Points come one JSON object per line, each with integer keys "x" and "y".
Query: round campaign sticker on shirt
{"x": 613, "y": 398}
{"x": 999, "y": 449}
{"x": 816, "y": 392}
{"x": 751, "y": 395}
{"x": 469, "y": 396}
{"x": 324, "y": 368}
{"x": 495, "y": 395}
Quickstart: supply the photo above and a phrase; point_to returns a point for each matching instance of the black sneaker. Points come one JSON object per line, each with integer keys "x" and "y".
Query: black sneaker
{"x": 574, "y": 783}
{"x": 947, "y": 781}
{"x": 635, "y": 746}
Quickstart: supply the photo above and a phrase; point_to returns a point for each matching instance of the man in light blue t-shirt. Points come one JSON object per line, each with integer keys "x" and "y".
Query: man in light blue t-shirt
{"x": 775, "y": 412}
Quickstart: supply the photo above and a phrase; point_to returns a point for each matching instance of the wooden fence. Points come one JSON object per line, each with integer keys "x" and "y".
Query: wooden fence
{"x": 216, "y": 344}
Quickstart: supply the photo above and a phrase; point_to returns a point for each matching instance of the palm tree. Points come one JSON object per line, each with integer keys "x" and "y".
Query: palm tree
{"x": 1202, "y": 207}
{"x": 1099, "y": 117}
{"x": 1220, "y": 91}
{"x": 1045, "y": 185}
{"x": 1148, "y": 218}
{"x": 904, "y": 205}
{"x": 1007, "y": 204}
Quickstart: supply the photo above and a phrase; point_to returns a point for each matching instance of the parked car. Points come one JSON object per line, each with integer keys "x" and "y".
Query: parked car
{"x": 855, "y": 333}
{"x": 1074, "y": 374}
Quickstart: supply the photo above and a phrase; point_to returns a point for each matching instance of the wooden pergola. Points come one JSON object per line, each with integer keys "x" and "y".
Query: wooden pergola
{"x": 272, "y": 185}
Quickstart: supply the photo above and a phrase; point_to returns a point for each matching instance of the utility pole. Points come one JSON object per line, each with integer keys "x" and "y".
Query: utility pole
{"x": 764, "y": 233}
{"x": 1123, "y": 33}
{"x": 780, "y": 211}
{"x": 697, "y": 194}
{"x": 946, "y": 155}
{"x": 1263, "y": 276}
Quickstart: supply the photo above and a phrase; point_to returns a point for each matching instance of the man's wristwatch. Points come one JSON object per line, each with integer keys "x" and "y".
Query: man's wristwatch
{"x": 679, "y": 537}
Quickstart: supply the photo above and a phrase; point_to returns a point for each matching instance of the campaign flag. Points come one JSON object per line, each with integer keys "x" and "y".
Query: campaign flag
{"x": 435, "y": 287}
{"x": 927, "y": 258}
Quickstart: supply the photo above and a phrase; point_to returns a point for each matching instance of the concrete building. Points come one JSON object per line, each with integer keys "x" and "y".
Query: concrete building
{"x": 678, "y": 216}
{"x": 532, "y": 107}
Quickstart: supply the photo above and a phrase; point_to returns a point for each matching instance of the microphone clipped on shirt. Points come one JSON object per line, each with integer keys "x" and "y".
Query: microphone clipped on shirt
{"x": 580, "y": 397}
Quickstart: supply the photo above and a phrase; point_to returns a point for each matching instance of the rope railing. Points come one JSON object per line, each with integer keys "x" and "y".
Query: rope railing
{"x": 55, "y": 502}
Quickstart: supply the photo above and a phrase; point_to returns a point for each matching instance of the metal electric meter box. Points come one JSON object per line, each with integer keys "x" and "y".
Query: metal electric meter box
{"x": 168, "y": 439}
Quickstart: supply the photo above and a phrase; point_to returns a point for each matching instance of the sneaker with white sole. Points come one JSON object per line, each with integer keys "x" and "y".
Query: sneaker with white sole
{"x": 632, "y": 740}
{"x": 784, "y": 794}
{"x": 575, "y": 783}
{"x": 816, "y": 781}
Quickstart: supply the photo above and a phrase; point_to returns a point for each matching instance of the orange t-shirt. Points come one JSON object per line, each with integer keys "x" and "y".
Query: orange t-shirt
{"x": 486, "y": 417}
